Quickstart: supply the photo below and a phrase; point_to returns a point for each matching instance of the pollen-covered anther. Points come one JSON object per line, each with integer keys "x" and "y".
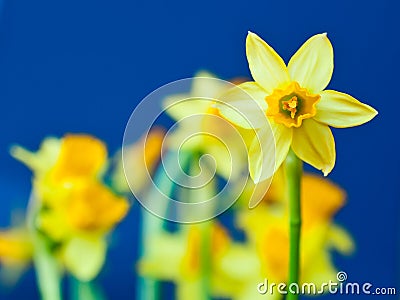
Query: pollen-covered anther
{"x": 291, "y": 105}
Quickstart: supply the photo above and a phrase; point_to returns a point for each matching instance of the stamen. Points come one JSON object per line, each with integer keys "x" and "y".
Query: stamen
{"x": 291, "y": 105}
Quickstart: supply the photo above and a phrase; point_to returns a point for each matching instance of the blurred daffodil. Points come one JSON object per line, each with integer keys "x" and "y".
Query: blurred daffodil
{"x": 265, "y": 253}
{"x": 15, "y": 253}
{"x": 141, "y": 159}
{"x": 268, "y": 229}
{"x": 15, "y": 247}
{"x": 295, "y": 103}
{"x": 76, "y": 209}
{"x": 181, "y": 260}
{"x": 202, "y": 129}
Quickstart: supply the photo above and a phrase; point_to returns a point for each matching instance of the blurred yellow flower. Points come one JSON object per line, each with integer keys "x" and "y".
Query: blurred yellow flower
{"x": 61, "y": 164}
{"x": 16, "y": 252}
{"x": 235, "y": 268}
{"x": 142, "y": 158}
{"x": 268, "y": 229}
{"x": 272, "y": 244}
{"x": 180, "y": 259}
{"x": 293, "y": 99}
{"x": 88, "y": 208}
{"x": 321, "y": 199}
{"x": 15, "y": 248}
{"x": 203, "y": 129}
{"x": 77, "y": 210}
{"x": 265, "y": 254}
{"x": 80, "y": 157}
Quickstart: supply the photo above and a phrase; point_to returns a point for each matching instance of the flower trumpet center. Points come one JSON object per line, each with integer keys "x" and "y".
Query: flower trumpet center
{"x": 291, "y": 105}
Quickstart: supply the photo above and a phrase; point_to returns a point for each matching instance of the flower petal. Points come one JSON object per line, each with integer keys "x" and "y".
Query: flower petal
{"x": 318, "y": 265}
{"x": 207, "y": 85}
{"x": 313, "y": 143}
{"x": 251, "y": 90}
{"x": 340, "y": 110}
{"x": 180, "y": 106}
{"x": 163, "y": 264}
{"x": 312, "y": 65}
{"x": 239, "y": 262}
{"x": 84, "y": 257}
{"x": 266, "y": 66}
{"x": 42, "y": 160}
{"x": 268, "y": 150}
{"x": 80, "y": 156}
{"x": 340, "y": 240}
{"x": 244, "y": 105}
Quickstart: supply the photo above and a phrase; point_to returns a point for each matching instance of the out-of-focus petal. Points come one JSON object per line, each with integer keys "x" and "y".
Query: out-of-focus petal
{"x": 165, "y": 264}
{"x": 81, "y": 156}
{"x": 206, "y": 84}
{"x": 205, "y": 87}
{"x": 340, "y": 239}
{"x": 42, "y": 160}
{"x": 320, "y": 199}
{"x": 84, "y": 257}
{"x": 185, "y": 105}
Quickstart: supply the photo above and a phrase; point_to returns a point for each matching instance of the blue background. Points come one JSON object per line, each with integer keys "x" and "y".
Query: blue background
{"x": 82, "y": 66}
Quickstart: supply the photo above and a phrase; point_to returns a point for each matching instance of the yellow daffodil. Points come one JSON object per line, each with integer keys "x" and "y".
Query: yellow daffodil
{"x": 80, "y": 157}
{"x": 237, "y": 267}
{"x": 180, "y": 259}
{"x": 15, "y": 247}
{"x": 15, "y": 253}
{"x": 272, "y": 244}
{"x": 202, "y": 129}
{"x": 322, "y": 199}
{"x": 140, "y": 159}
{"x": 87, "y": 208}
{"x": 39, "y": 162}
{"x": 295, "y": 103}
{"x": 265, "y": 253}
{"x": 267, "y": 192}
{"x": 77, "y": 210}
{"x": 313, "y": 189}
{"x": 238, "y": 272}
{"x": 61, "y": 164}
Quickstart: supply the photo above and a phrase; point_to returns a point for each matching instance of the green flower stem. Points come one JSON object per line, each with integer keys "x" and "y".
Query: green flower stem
{"x": 293, "y": 171}
{"x": 84, "y": 290}
{"x": 199, "y": 195}
{"x": 48, "y": 270}
{"x": 148, "y": 288}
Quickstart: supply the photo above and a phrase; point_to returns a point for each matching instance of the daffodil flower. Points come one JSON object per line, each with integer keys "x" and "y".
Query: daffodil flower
{"x": 76, "y": 209}
{"x": 296, "y": 104}
{"x": 16, "y": 252}
{"x": 15, "y": 247}
{"x": 180, "y": 259}
{"x": 236, "y": 267}
{"x": 202, "y": 129}
{"x": 140, "y": 159}
{"x": 267, "y": 231}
